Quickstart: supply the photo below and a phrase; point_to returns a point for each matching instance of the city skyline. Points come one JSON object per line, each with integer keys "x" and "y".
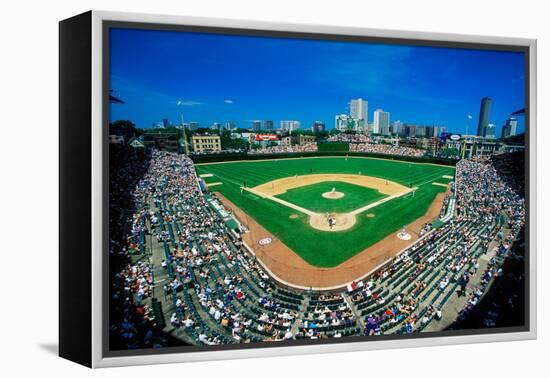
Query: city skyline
{"x": 222, "y": 78}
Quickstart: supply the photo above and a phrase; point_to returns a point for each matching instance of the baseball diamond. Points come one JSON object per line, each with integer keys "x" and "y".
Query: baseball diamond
{"x": 268, "y": 193}
{"x": 317, "y": 197}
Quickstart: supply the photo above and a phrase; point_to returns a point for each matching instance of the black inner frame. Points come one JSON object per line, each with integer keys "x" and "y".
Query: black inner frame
{"x": 107, "y": 25}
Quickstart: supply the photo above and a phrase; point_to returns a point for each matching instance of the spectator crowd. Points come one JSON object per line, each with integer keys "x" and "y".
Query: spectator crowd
{"x": 282, "y": 149}
{"x": 386, "y": 149}
{"x": 216, "y": 293}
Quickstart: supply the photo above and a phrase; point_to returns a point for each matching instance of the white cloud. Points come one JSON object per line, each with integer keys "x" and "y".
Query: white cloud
{"x": 188, "y": 103}
{"x": 228, "y": 101}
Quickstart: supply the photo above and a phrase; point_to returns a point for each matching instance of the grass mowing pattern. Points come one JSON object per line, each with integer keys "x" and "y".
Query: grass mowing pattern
{"x": 310, "y": 197}
{"x": 328, "y": 249}
{"x": 333, "y": 146}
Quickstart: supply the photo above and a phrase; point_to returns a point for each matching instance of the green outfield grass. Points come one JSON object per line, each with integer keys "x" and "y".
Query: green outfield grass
{"x": 310, "y": 197}
{"x": 319, "y": 248}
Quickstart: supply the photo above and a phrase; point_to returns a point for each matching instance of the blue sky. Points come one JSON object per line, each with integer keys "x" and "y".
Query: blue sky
{"x": 217, "y": 78}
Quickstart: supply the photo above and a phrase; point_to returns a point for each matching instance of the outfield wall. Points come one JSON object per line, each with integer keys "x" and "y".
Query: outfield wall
{"x": 333, "y": 146}
{"x": 213, "y": 158}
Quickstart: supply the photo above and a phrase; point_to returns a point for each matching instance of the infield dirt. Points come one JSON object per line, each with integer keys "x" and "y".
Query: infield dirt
{"x": 280, "y": 186}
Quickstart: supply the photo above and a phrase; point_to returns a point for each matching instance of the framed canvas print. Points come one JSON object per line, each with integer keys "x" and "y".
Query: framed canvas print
{"x": 233, "y": 189}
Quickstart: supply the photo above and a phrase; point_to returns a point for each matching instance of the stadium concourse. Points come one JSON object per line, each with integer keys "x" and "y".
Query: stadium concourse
{"x": 179, "y": 275}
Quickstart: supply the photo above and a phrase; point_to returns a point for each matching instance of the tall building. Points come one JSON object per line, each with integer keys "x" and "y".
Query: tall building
{"x": 165, "y": 123}
{"x": 359, "y": 109}
{"x": 216, "y": 126}
{"x": 318, "y": 127}
{"x": 490, "y": 131}
{"x": 433, "y": 131}
{"x": 360, "y": 125}
{"x": 510, "y": 127}
{"x": 359, "y": 112}
{"x": 484, "y": 116}
{"x": 193, "y": 125}
{"x": 381, "y": 122}
{"x": 230, "y": 125}
{"x": 410, "y": 131}
{"x": 287, "y": 125}
{"x": 369, "y": 127}
{"x": 430, "y": 131}
{"x": 344, "y": 122}
{"x": 397, "y": 127}
{"x": 420, "y": 131}
{"x": 256, "y": 125}
{"x": 268, "y": 125}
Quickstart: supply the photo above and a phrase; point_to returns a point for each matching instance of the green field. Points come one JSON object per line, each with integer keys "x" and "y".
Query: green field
{"x": 338, "y": 146}
{"x": 320, "y": 248}
{"x": 310, "y": 197}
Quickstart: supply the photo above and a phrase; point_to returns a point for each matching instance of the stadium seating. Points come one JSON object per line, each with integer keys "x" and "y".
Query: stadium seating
{"x": 216, "y": 293}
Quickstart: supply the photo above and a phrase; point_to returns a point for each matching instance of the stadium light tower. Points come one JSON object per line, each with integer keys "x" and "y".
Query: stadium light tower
{"x": 185, "y": 144}
{"x": 114, "y": 99}
{"x": 518, "y": 112}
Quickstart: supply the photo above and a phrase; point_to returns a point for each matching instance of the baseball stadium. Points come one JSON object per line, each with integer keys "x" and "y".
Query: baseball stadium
{"x": 255, "y": 198}
{"x": 307, "y": 247}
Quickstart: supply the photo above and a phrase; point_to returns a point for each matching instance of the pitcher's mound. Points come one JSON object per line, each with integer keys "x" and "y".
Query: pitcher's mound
{"x": 342, "y": 222}
{"x": 333, "y": 195}
{"x": 370, "y": 215}
{"x": 294, "y": 216}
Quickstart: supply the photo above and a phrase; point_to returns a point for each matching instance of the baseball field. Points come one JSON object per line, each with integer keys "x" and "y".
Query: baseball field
{"x": 295, "y": 200}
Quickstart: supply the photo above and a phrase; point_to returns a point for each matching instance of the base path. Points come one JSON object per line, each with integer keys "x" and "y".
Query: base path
{"x": 289, "y": 269}
{"x": 278, "y": 200}
{"x": 345, "y": 221}
{"x": 319, "y": 221}
{"x": 383, "y": 200}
